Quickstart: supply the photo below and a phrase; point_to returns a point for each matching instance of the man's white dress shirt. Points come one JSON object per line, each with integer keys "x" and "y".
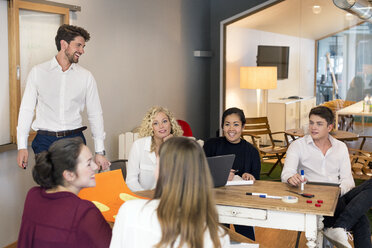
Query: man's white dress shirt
{"x": 60, "y": 98}
{"x": 333, "y": 167}
{"x": 141, "y": 166}
{"x": 137, "y": 225}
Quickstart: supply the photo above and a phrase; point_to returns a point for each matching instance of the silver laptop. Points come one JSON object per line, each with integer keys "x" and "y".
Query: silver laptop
{"x": 220, "y": 167}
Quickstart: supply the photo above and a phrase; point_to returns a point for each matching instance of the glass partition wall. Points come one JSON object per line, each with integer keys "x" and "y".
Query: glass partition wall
{"x": 329, "y": 62}
{"x": 344, "y": 65}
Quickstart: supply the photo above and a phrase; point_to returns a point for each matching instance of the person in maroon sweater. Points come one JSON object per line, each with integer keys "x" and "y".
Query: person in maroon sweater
{"x": 53, "y": 215}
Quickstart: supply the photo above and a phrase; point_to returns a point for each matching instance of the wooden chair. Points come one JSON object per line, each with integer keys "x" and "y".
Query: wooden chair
{"x": 254, "y": 127}
{"x": 345, "y": 122}
{"x": 125, "y": 143}
{"x": 361, "y": 160}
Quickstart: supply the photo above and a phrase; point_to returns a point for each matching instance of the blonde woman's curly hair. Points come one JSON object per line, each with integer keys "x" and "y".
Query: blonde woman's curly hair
{"x": 146, "y": 125}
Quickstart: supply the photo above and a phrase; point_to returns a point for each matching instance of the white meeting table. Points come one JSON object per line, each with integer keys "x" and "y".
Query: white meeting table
{"x": 235, "y": 207}
{"x": 354, "y": 109}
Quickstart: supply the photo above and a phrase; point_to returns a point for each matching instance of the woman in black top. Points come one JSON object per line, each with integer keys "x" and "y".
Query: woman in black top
{"x": 247, "y": 162}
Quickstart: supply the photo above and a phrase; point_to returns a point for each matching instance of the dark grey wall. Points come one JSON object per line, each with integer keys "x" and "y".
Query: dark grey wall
{"x": 195, "y": 15}
{"x": 221, "y": 10}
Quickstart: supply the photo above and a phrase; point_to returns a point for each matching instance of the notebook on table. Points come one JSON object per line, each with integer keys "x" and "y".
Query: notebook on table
{"x": 220, "y": 167}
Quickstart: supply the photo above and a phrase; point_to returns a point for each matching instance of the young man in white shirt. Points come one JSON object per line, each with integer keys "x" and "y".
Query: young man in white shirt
{"x": 325, "y": 159}
{"x": 59, "y": 90}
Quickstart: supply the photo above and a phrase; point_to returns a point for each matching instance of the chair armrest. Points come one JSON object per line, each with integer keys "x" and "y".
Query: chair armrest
{"x": 356, "y": 152}
{"x": 362, "y": 157}
{"x": 252, "y": 135}
{"x": 119, "y": 160}
{"x": 365, "y": 136}
{"x": 278, "y": 132}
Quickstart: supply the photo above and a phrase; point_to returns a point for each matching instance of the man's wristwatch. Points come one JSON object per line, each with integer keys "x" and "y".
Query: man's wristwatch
{"x": 103, "y": 153}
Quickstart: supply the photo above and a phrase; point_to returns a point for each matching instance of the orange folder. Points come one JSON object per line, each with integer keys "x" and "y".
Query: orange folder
{"x": 109, "y": 194}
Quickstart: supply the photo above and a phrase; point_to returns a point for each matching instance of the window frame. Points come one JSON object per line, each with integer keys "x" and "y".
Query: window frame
{"x": 14, "y": 58}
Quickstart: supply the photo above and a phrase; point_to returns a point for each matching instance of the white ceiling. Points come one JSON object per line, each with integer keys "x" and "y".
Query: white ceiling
{"x": 296, "y": 18}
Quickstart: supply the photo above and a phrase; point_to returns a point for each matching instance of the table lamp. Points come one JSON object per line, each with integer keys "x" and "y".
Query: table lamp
{"x": 259, "y": 78}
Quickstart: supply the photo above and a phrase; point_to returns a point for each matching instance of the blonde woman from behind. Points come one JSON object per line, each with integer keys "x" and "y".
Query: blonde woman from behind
{"x": 182, "y": 213}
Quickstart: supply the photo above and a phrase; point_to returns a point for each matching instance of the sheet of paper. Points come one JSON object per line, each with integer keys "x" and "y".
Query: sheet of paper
{"x": 109, "y": 194}
{"x": 239, "y": 182}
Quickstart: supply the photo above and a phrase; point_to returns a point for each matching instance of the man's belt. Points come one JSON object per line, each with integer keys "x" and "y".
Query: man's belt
{"x": 62, "y": 133}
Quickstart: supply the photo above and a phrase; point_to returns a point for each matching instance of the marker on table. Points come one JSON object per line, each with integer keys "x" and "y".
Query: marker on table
{"x": 271, "y": 196}
{"x": 303, "y": 180}
{"x": 258, "y": 194}
{"x": 264, "y": 195}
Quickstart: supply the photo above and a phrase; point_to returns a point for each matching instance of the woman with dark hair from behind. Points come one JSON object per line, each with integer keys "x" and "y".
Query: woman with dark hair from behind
{"x": 182, "y": 213}
{"x": 53, "y": 215}
{"x": 247, "y": 163}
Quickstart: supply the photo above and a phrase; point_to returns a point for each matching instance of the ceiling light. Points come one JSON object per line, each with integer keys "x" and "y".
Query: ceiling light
{"x": 349, "y": 16}
{"x": 317, "y": 9}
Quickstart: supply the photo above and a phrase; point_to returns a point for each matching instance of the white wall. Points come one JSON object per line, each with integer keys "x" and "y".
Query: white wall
{"x": 4, "y": 78}
{"x": 14, "y": 184}
{"x": 241, "y": 50}
{"x": 141, "y": 54}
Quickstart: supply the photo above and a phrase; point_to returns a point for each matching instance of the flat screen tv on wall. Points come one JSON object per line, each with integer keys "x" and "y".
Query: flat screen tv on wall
{"x": 274, "y": 56}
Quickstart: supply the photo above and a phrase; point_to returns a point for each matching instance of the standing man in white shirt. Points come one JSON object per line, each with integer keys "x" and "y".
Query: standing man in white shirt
{"x": 325, "y": 159}
{"x": 59, "y": 90}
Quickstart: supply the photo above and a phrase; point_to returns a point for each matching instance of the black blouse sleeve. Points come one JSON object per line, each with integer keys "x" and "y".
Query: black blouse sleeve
{"x": 254, "y": 161}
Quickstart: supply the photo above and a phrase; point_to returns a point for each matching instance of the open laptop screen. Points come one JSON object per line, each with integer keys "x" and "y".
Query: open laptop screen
{"x": 220, "y": 167}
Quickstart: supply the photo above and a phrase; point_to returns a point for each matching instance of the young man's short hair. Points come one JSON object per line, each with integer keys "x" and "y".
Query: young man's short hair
{"x": 324, "y": 112}
{"x": 68, "y": 33}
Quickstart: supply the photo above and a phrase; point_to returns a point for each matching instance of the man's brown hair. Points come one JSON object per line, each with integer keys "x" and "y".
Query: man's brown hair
{"x": 68, "y": 33}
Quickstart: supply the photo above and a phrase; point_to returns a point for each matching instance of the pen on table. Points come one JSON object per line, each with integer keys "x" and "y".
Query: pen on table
{"x": 271, "y": 196}
{"x": 258, "y": 194}
{"x": 303, "y": 180}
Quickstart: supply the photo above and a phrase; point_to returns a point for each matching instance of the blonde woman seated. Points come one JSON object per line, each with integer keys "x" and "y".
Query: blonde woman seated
{"x": 158, "y": 125}
{"x": 182, "y": 213}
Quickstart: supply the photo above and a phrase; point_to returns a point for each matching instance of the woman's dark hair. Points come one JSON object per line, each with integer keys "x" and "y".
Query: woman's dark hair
{"x": 68, "y": 33}
{"x": 50, "y": 165}
{"x": 230, "y": 111}
{"x": 324, "y": 112}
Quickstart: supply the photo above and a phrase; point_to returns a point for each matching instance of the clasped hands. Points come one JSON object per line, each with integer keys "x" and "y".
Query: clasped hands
{"x": 245, "y": 176}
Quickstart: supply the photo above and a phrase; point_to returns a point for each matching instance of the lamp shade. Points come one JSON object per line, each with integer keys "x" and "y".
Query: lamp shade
{"x": 258, "y": 77}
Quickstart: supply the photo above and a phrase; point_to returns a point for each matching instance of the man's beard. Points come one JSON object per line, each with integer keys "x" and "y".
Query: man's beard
{"x": 71, "y": 58}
